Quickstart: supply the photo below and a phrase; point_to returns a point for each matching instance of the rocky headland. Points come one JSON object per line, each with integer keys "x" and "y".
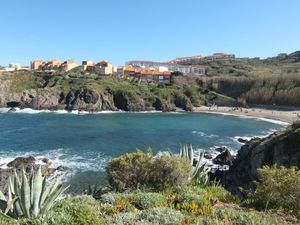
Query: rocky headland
{"x": 281, "y": 148}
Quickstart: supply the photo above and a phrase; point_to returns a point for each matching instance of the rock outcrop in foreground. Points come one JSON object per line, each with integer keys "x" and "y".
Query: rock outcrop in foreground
{"x": 281, "y": 148}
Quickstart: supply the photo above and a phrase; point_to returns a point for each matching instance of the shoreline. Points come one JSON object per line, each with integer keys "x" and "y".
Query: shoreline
{"x": 284, "y": 116}
{"x": 271, "y": 115}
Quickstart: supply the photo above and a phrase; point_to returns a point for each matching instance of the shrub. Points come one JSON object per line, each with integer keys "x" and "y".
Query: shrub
{"x": 156, "y": 216}
{"x": 81, "y": 210}
{"x": 130, "y": 170}
{"x": 228, "y": 215}
{"x": 194, "y": 203}
{"x": 278, "y": 187}
{"x": 136, "y": 169}
{"x": 149, "y": 200}
{"x": 169, "y": 171}
{"x": 162, "y": 216}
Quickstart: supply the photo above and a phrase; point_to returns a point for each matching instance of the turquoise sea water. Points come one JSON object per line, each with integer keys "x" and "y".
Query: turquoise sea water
{"x": 84, "y": 143}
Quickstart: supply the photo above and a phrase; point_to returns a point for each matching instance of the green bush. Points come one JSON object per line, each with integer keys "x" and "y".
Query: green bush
{"x": 278, "y": 187}
{"x": 130, "y": 170}
{"x": 162, "y": 216}
{"x": 169, "y": 171}
{"x": 149, "y": 200}
{"x": 156, "y": 216}
{"x": 81, "y": 210}
{"x": 235, "y": 216}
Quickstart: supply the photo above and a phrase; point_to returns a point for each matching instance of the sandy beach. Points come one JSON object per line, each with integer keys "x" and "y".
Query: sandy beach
{"x": 288, "y": 116}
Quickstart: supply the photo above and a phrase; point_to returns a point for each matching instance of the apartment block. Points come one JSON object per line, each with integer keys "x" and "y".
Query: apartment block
{"x": 171, "y": 66}
{"x": 102, "y": 68}
{"x": 85, "y": 64}
{"x": 68, "y": 65}
{"x": 202, "y": 59}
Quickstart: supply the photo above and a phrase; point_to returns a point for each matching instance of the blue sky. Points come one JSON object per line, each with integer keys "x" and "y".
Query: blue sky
{"x": 160, "y": 30}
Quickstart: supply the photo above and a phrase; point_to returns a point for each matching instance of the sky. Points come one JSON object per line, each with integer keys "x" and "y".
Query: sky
{"x": 158, "y": 30}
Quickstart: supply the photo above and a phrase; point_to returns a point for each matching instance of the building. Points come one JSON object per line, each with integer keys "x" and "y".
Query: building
{"x": 102, "y": 68}
{"x": 155, "y": 76}
{"x": 14, "y": 66}
{"x": 52, "y": 65}
{"x": 202, "y": 59}
{"x": 86, "y": 64}
{"x": 68, "y": 65}
{"x": 45, "y": 65}
{"x": 36, "y": 64}
{"x": 171, "y": 66}
{"x": 145, "y": 76}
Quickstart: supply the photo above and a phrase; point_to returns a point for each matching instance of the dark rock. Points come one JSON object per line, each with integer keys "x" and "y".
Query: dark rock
{"x": 242, "y": 140}
{"x": 281, "y": 149}
{"x": 45, "y": 160}
{"x": 183, "y": 102}
{"x": 128, "y": 101}
{"x": 163, "y": 105}
{"x": 13, "y": 104}
{"x": 224, "y": 158}
{"x": 207, "y": 155}
{"x": 12, "y": 110}
{"x": 22, "y": 162}
{"x": 62, "y": 168}
{"x": 221, "y": 149}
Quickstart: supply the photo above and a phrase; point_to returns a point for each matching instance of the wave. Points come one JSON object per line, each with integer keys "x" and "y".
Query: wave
{"x": 273, "y": 121}
{"x": 202, "y": 134}
{"x": 87, "y": 161}
{"x": 74, "y": 112}
{"x": 250, "y": 117}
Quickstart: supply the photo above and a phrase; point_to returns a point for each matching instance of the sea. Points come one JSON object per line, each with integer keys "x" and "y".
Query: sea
{"x": 85, "y": 142}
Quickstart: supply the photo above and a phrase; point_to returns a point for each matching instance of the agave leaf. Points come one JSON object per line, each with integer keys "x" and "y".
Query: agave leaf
{"x": 25, "y": 195}
{"x": 5, "y": 216}
{"x": 37, "y": 185}
{"x": 51, "y": 187}
{"x": 17, "y": 193}
{"x": 51, "y": 198}
{"x": 2, "y": 197}
{"x": 10, "y": 204}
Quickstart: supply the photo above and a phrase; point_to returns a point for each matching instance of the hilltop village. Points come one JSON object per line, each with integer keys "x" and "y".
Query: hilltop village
{"x": 144, "y": 71}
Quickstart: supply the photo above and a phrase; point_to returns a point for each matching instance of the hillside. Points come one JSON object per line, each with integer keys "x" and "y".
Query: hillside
{"x": 273, "y": 81}
{"x": 239, "y": 82}
{"x": 82, "y": 91}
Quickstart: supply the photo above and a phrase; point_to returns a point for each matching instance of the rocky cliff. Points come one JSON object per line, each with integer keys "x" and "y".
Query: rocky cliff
{"x": 281, "y": 148}
{"x": 57, "y": 92}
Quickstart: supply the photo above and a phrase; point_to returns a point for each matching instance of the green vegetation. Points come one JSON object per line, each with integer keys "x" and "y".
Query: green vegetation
{"x": 29, "y": 197}
{"x": 200, "y": 172}
{"x": 132, "y": 170}
{"x": 173, "y": 202}
{"x": 278, "y": 188}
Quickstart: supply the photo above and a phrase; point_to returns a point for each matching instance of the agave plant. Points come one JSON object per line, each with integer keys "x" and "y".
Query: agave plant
{"x": 200, "y": 171}
{"x": 30, "y": 197}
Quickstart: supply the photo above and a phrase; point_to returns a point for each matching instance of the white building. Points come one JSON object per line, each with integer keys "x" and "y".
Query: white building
{"x": 167, "y": 65}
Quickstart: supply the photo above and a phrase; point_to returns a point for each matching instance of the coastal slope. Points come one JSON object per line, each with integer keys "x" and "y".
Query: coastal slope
{"x": 281, "y": 148}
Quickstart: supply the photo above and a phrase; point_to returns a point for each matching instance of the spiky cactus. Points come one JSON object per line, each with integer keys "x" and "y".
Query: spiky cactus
{"x": 200, "y": 171}
{"x": 30, "y": 196}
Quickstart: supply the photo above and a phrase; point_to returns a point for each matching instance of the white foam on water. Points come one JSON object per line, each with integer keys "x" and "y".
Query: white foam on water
{"x": 250, "y": 117}
{"x": 203, "y": 134}
{"x": 88, "y": 161}
{"x": 273, "y": 121}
